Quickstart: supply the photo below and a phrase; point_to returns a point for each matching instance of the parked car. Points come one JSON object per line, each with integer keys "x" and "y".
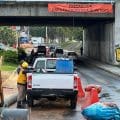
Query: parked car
{"x": 41, "y": 50}
{"x": 72, "y": 55}
{"x": 58, "y": 52}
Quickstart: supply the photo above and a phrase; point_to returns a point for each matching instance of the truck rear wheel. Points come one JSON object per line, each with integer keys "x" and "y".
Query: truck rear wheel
{"x": 73, "y": 102}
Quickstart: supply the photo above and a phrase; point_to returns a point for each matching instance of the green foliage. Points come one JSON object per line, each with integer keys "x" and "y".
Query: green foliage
{"x": 78, "y": 33}
{"x": 21, "y": 54}
{"x": 10, "y": 57}
{"x": 2, "y": 52}
{"x": 8, "y": 66}
{"x": 21, "y": 51}
{"x": 60, "y": 33}
{"x": 37, "y": 31}
{"x": 7, "y": 35}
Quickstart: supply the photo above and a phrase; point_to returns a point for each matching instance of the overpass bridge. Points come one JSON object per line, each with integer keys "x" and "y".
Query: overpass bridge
{"x": 101, "y": 25}
{"x": 33, "y": 12}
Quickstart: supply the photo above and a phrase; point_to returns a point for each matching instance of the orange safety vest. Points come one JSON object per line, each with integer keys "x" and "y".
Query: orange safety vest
{"x": 22, "y": 78}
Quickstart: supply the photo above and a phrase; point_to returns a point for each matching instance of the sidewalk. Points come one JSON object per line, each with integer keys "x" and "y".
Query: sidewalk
{"x": 109, "y": 68}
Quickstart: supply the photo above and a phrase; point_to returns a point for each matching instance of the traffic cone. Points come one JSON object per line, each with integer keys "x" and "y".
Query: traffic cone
{"x": 94, "y": 95}
{"x": 91, "y": 97}
{"x": 81, "y": 92}
{"x": 90, "y": 86}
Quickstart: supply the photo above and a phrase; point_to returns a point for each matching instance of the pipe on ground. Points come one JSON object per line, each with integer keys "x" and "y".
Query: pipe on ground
{"x": 10, "y": 100}
{"x": 15, "y": 114}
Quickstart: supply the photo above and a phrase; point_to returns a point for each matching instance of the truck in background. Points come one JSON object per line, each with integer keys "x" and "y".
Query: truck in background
{"x": 37, "y": 41}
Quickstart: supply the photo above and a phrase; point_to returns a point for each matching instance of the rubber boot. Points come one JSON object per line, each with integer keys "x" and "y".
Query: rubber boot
{"x": 19, "y": 104}
{"x": 25, "y": 101}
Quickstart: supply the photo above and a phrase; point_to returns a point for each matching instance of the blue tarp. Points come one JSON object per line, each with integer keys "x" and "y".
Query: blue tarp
{"x": 99, "y": 111}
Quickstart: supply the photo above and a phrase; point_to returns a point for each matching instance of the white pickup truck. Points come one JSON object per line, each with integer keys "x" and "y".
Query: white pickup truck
{"x": 48, "y": 81}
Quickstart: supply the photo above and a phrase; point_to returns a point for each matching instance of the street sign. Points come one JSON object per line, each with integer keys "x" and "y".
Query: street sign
{"x": 81, "y": 8}
{"x": 118, "y": 54}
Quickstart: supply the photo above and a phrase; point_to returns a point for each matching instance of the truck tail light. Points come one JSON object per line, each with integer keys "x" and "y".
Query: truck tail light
{"x": 75, "y": 82}
{"x": 29, "y": 81}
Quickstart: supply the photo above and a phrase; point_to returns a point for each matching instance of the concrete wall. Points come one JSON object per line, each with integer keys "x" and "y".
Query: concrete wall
{"x": 117, "y": 23}
{"x": 99, "y": 42}
{"x": 117, "y": 28}
{"x": 102, "y": 40}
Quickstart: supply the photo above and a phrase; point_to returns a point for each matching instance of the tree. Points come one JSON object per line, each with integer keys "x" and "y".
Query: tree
{"x": 7, "y": 35}
{"x": 37, "y": 31}
{"x": 60, "y": 33}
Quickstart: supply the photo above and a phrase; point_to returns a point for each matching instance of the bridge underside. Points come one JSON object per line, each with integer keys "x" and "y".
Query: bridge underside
{"x": 53, "y": 21}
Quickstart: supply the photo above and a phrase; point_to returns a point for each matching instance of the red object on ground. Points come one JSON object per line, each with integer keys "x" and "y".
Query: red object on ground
{"x": 81, "y": 92}
{"x": 90, "y": 98}
{"x": 90, "y": 86}
{"x": 94, "y": 96}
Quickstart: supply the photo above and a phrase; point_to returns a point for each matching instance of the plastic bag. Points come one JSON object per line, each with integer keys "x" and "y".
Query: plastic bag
{"x": 102, "y": 111}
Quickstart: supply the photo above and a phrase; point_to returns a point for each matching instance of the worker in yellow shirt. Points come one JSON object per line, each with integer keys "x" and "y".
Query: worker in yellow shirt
{"x": 22, "y": 84}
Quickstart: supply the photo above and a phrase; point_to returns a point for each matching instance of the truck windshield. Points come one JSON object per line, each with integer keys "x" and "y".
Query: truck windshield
{"x": 51, "y": 64}
{"x": 40, "y": 64}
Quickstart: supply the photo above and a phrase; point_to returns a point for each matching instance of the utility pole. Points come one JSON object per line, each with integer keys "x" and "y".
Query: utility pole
{"x": 46, "y": 34}
{"x": 18, "y": 35}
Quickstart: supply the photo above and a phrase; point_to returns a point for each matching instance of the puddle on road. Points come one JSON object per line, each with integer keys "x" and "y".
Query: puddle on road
{"x": 105, "y": 95}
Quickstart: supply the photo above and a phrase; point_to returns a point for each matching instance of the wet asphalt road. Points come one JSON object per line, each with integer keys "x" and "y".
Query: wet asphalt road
{"x": 109, "y": 82}
{"x": 55, "y": 111}
{"x": 59, "y": 110}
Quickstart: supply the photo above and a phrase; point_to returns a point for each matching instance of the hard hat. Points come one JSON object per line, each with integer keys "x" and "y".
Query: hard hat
{"x": 24, "y": 64}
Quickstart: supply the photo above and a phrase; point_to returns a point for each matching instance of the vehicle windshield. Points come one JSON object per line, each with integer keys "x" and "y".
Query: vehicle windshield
{"x": 60, "y": 51}
{"x": 40, "y": 64}
{"x": 71, "y": 53}
{"x": 51, "y": 64}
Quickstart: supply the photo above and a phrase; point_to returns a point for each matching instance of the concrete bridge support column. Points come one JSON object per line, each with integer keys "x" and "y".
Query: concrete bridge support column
{"x": 117, "y": 27}
{"x": 99, "y": 42}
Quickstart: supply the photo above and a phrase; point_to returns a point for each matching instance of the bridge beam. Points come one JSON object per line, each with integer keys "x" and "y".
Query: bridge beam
{"x": 41, "y": 10}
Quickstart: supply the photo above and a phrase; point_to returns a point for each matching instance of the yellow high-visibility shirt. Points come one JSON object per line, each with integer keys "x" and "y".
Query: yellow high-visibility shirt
{"x": 22, "y": 78}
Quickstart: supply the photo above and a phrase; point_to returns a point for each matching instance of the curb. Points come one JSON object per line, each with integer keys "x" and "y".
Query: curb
{"x": 90, "y": 62}
{"x": 106, "y": 70}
